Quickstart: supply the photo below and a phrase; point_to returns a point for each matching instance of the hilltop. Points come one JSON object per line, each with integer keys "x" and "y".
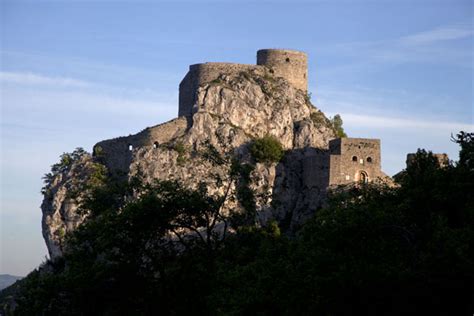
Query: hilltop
{"x": 252, "y": 201}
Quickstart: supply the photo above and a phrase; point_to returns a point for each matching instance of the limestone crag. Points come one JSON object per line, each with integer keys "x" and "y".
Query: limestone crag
{"x": 229, "y": 113}
{"x": 62, "y": 197}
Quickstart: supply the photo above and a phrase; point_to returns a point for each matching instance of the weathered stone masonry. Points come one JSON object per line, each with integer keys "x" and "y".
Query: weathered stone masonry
{"x": 228, "y": 105}
{"x": 347, "y": 160}
{"x": 118, "y": 152}
{"x": 354, "y": 160}
{"x": 289, "y": 64}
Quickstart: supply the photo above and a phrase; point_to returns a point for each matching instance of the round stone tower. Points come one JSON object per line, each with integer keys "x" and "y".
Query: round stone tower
{"x": 289, "y": 64}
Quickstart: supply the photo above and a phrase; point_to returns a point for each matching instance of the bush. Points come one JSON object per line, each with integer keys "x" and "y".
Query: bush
{"x": 337, "y": 125}
{"x": 267, "y": 149}
{"x": 319, "y": 119}
{"x": 181, "y": 149}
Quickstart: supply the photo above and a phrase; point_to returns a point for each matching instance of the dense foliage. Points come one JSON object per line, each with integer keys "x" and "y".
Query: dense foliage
{"x": 65, "y": 162}
{"x": 267, "y": 149}
{"x": 374, "y": 250}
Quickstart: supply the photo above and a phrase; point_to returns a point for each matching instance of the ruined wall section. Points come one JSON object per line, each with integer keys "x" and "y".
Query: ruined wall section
{"x": 443, "y": 159}
{"x": 352, "y": 159}
{"x": 289, "y": 64}
{"x": 316, "y": 169}
{"x": 117, "y": 153}
{"x": 200, "y": 74}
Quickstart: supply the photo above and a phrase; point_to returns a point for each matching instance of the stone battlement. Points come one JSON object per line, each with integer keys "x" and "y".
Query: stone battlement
{"x": 288, "y": 64}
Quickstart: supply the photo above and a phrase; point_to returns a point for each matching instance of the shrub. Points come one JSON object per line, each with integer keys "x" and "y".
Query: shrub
{"x": 319, "y": 119}
{"x": 267, "y": 149}
{"x": 98, "y": 151}
{"x": 181, "y": 149}
{"x": 337, "y": 125}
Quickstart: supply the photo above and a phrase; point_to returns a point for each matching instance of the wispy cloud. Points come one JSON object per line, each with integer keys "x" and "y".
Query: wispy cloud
{"x": 394, "y": 102}
{"x": 387, "y": 122}
{"x": 94, "y": 72}
{"x": 400, "y": 136}
{"x": 447, "y": 33}
{"x": 27, "y": 78}
{"x": 441, "y": 45}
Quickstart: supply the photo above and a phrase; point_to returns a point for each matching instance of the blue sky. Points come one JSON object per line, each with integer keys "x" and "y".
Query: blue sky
{"x": 77, "y": 72}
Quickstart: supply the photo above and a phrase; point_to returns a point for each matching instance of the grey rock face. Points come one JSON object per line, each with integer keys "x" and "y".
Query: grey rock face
{"x": 61, "y": 202}
{"x": 228, "y": 114}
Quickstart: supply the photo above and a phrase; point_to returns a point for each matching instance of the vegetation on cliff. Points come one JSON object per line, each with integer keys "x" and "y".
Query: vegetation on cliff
{"x": 336, "y": 122}
{"x": 374, "y": 250}
{"x": 267, "y": 149}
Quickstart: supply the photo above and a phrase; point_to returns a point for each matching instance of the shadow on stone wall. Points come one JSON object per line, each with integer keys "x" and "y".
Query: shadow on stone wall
{"x": 300, "y": 187}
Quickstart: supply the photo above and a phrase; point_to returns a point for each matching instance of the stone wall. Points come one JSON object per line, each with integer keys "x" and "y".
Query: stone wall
{"x": 117, "y": 153}
{"x": 353, "y": 159}
{"x": 443, "y": 159}
{"x": 289, "y": 64}
{"x": 200, "y": 74}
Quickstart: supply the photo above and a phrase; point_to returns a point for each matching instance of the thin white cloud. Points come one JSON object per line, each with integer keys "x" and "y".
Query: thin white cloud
{"x": 385, "y": 122}
{"x": 446, "y": 33}
{"x": 434, "y": 106}
{"x": 52, "y": 105}
{"x": 437, "y": 45}
{"x": 27, "y": 78}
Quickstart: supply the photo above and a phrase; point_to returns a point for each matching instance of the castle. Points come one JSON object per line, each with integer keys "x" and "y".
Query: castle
{"x": 347, "y": 160}
{"x": 354, "y": 160}
{"x": 227, "y": 106}
{"x": 289, "y": 64}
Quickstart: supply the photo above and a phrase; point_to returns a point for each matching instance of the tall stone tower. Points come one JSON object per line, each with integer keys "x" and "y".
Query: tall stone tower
{"x": 289, "y": 64}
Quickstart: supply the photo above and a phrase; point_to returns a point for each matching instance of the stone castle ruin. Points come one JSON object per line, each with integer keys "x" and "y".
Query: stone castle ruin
{"x": 289, "y": 64}
{"x": 354, "y": 160}
{"x": 442, "y": 159}
{"x": 227, "y": 106}
{"x": 348, "y": 159}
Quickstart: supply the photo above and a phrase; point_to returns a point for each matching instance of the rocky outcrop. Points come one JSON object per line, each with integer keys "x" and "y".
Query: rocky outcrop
{"x": 63, "y": 194}
{"x": 229, "y": 113}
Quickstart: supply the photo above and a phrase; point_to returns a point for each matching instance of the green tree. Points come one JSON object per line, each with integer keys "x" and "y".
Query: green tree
{"x": 267, "y": 149}
{"x": 372, "y": 250}
{"x": 336, "y": 122}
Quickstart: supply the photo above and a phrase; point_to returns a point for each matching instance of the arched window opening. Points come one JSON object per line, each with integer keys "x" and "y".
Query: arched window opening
{"x": 130, "y": 147}
{"x": 363, "y": 177}
{"x": 287, "y": 60}
{"x": 155, "y": 145}
{"x": 354, "y": 158}
{"x": 369, "y": 159}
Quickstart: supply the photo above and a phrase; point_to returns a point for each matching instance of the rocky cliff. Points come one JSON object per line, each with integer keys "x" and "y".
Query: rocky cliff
{"x": 229, "y": 113}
